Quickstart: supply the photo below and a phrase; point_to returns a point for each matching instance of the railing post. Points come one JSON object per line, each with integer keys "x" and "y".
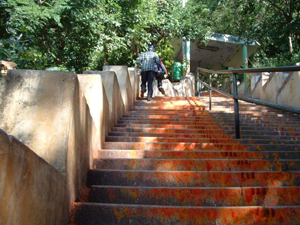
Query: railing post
{"x": 198, "y": 81}
{"x": 200, "y": 88}
{"x": 210, "y": 91}
{"x": 245, "y": 65}
{"x": 236, "y": 108}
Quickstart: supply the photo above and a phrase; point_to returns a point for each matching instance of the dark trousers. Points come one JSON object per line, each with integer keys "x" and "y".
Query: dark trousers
{"x": 159, "y": 77}
{"x": 148, "y": 77}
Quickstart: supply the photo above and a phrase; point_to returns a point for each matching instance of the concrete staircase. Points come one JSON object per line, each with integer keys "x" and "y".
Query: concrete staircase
{"x": 170, "y": 161}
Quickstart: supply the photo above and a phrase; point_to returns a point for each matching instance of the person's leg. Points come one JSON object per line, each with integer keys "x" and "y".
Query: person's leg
{"x": 159, "y": 83}
{"x": 151, "y": 75}
{"x": 143, "y": 85}
{"x": 159, "y": 80}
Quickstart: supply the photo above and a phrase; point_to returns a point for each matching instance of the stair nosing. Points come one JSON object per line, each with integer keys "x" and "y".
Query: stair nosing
{"x": 186, "y": 207}
{"x": 204, "y": 160}
{"x": 193, "y": 188}
{"x": 190, "y": 171}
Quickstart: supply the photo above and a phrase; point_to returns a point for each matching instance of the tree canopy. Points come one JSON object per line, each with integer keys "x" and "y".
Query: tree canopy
{"x": 272, "y": 23}
{"x": 81, "y": 35}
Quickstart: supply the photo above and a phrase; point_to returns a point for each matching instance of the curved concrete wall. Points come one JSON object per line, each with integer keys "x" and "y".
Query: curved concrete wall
{"x": 127, "y": 91}
{"x": 95, "y": 95}
{"x": 31, "y": 191}
{"x": 48, "y": 112}
{"x": 113, "y": 93}
{"x": 35, "y": 108}
{"x": 134, "y": 78}
{"x": 63, "y": 119}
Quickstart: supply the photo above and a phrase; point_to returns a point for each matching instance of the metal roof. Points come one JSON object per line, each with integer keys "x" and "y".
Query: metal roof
{"x": 221, "y": 50}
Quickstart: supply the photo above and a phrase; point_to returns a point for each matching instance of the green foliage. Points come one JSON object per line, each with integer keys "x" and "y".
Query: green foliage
{"x": 165, "y": 52}
{"x": 84, "y": 35}
{"x": 270, "y": 22}
{"x": 29, "y": 31}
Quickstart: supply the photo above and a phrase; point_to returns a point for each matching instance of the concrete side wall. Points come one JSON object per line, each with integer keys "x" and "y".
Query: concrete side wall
{"x": 137, "y": 84}
{"x": 48, "y": 112}
{"x": 36, "y": 108}
{"x": 258, "y": 89}
{"x": 94, "y": 92}
{"x": 241, "y": 88}
{"x": 271, "y": 87}
{"x": 279, "y": 89}
{"x": 83, "y": 143}
{"x": 124, "y": 82}
{"x": 186, "y": 87}
{"x": 31, "y": 191}
{"x": 290, "y": 94}
{"x": 134, "y": 83}
{"x": 114, "y": 96}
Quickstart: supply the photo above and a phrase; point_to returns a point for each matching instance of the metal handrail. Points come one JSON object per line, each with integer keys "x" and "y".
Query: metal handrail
{"x": 252, "y": 70}
{"x": 251, "y": 100}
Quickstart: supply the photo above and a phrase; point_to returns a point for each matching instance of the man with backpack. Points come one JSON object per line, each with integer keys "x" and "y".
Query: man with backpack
{"x": 148, "y": 62}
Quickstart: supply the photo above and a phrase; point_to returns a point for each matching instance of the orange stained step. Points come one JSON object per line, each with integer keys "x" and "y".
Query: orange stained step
{"x": 171, "y": 161}
{"x": 97, "y": 213}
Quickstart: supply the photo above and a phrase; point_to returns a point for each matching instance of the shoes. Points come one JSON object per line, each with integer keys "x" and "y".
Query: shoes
{"x": 149, "y": 99}
{"x": 142, "y": 93}
{"x": 161, "y": 90}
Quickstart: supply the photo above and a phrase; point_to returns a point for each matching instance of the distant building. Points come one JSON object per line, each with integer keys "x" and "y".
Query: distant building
{"x": 220, "y": 52}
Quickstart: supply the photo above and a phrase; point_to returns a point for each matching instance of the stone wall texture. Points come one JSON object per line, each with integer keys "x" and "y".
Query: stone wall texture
{"x": 127, "y": 91}
{"x": 114, "y": 95}
{"x": 48, "y": 112}
{"x": 279, "y": 88}
{"x": 31, "y": 190}
{"x": 95, "y": 95}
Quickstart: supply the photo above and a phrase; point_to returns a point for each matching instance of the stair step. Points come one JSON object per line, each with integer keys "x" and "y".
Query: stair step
{"x": 126, "y": 138}
{"x": 263, "y": 126}
{"x": 166, "y": 107}
{"x": 168, "y": 130}
{"x": 250, "y": 133}
{"x": 202, "y": 154}
{"x": 171, "y": 122}
{"x": 197, "y": 164}
{"x": 257, "y": 120}
{"x": 172, "y": 100}
{"x": 249, "y": 128}
{"x": 248, "y": 137}
{"x": 181, "y": 117}
{"x": 192, "y": 178}
{"x": 246, "y": 119}
{"x": 169, "y": 135}
{"x": 170, "y": 126}
{"x": 251, "y": 113}
{"x": 270, "y": 142}
{"x": 199, "y": 146}
{"x": 97, "y": 213}
{"x": 233, "y": 196}
{"x": 202, "y": 125}
{"x": 172, "y": 114}
{"x": 166, "y": 139}
{"x": 176, "y": 146}
{"x": 274, "y": 147}
{"x": 168, "y": 161}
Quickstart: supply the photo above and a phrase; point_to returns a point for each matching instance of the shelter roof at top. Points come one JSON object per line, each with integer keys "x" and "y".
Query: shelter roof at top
{"x": 220, "y": 51}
